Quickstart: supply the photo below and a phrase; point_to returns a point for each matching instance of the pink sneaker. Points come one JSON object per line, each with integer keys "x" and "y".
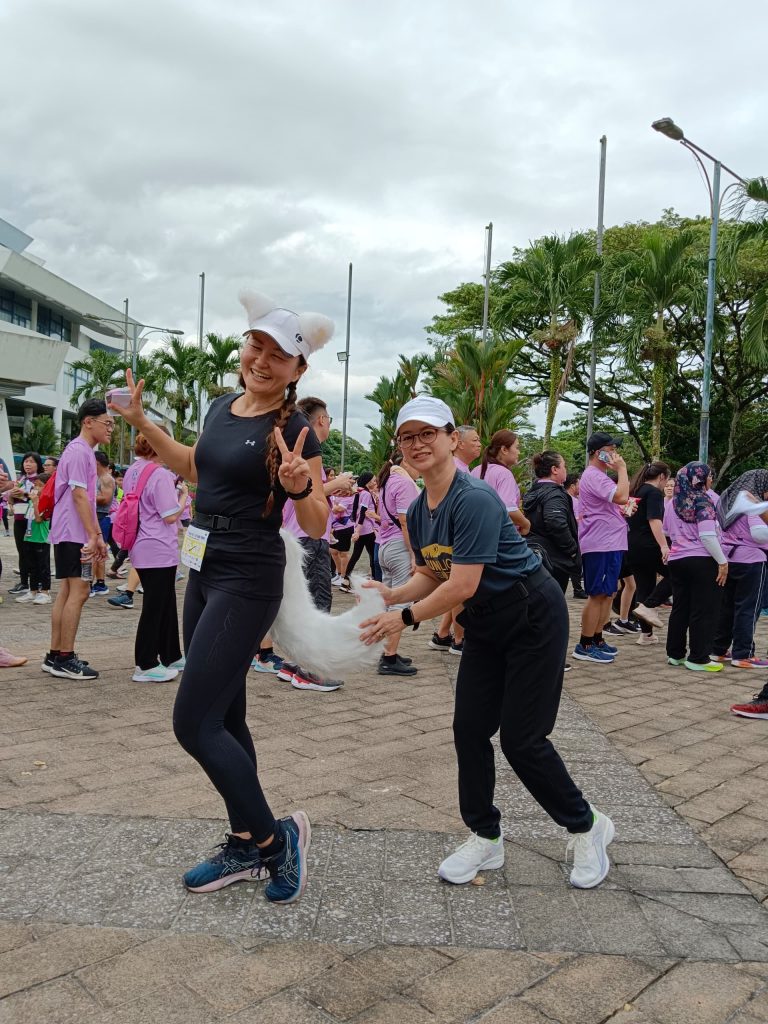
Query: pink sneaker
{"x": 8, "y": 660}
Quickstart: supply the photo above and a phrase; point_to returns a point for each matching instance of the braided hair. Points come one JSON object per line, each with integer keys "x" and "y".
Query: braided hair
{"x": 272, "y": 458}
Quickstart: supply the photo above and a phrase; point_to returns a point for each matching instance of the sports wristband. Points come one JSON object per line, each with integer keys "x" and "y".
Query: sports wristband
{"x": 301, "y": 494}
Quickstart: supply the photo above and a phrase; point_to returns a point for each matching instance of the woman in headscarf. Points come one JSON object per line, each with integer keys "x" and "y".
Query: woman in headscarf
{"x": 745, "y": 543}
{"x": 698, "y": 569}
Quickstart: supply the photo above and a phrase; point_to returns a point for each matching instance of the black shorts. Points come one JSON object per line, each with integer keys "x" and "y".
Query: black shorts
{"x": 343, "y": 539}
{"x": 66, "y": 558}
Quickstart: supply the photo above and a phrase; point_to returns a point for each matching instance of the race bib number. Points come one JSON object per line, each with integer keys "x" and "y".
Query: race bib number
{"x": 193, "y": 550}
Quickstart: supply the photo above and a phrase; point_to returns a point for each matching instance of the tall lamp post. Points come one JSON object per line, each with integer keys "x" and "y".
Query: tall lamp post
{"x": 667, "y": 127}
{"x": 134, "y": 354}
{"x": 343, "y": 357}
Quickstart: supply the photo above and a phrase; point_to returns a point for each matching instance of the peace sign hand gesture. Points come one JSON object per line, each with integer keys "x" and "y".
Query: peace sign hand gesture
{"x": 294, "y": 472}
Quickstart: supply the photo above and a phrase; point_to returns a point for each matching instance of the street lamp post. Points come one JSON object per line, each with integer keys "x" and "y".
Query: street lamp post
{"x": 666, "y": 126}
{"x": 134, "y": 354}
{"x": 343, "y": 357}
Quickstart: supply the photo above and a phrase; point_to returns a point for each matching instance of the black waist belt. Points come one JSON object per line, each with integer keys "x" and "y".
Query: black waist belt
{"x": 223, "y": 523}
{"x": 519, "y": 591}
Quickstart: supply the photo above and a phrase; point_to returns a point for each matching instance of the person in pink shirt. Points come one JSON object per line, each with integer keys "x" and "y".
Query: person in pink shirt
{"x": 365, "y": 518}
{"x": 155, "y": 556}
{"x": 698, "y": 569}
{"x": 468, "y": 449}
{"x": 603, "y": 541}
{"x": 76, "y": 537}
{"x": 745, "y": 543}
{"x": 496, "y": 469}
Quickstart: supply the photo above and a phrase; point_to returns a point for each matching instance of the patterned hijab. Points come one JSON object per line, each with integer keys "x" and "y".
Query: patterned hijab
{"x": 754, "y": 481}
{"x": 691, "y": 502}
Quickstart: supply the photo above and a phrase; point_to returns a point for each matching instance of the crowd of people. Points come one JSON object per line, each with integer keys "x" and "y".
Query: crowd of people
{"x": 445, "y": 535}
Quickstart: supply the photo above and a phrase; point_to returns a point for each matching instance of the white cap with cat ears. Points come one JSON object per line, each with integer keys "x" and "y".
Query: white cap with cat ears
{"x": 297, "y": 334}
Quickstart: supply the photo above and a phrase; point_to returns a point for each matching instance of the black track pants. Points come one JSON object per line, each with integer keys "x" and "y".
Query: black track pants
{"x": 157, "y": 635}
{"x": 222, "y": 632}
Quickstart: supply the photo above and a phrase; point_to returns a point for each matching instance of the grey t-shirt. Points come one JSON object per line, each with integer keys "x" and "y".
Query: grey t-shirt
{"x": 470, "y": 526}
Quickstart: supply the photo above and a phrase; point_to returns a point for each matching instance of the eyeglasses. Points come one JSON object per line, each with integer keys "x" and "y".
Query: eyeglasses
{"x": 428, "y": 436}
{"x": 109, "y": 424}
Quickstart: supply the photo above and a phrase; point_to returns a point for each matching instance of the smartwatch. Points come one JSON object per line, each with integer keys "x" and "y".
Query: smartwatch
{"x": 407, "y": 616}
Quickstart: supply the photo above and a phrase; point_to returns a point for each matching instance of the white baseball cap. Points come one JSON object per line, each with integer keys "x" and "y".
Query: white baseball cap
{"x": 425, "y": 409}
{"x": 297, "y": 334}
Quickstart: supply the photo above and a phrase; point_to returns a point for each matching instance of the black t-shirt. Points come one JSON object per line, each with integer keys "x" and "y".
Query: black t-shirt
{"x": 232, "y": 480}
{"x": 650, "y": 506}
{"x": 470, "y": 526}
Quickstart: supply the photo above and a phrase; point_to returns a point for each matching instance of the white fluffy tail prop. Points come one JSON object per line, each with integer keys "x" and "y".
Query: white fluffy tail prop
{"x": 328, "y": 645}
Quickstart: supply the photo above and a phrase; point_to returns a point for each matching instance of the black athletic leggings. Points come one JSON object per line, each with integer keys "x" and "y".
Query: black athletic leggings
{"x": 222, "y": 632}
{"x": 362, "y": 544}
{"x": 19, "y": 532}
{"x": 157, "y": 635}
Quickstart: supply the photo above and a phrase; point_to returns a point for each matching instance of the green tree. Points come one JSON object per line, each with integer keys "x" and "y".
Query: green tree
{"x": 220, "y": 359}
{"x": 659, "y": 281}
{"x": 177, "y": 367}
{"x": 39, "y": 435}
{"x": 390, "y": 394}
{"x": 472, "y": 381}
{"x": 755, "y": 231}
{"x": 99, "y": 371}
{"x": 550, "y": 285}
{"x": 356, "y": 456}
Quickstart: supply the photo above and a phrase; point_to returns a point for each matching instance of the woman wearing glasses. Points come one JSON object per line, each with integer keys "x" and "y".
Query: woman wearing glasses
{"x": 516, "y": 633}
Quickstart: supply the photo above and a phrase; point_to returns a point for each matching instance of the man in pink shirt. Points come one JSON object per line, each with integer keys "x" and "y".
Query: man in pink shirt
{"x": 468, "y": 449}
{"x": 76, "y": 537}
{"x": 603, "y": 540}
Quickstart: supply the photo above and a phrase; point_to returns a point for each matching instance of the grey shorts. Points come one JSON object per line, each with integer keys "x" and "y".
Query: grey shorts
{"x": 395, "y": 562}
{"x": 317, "y": 570}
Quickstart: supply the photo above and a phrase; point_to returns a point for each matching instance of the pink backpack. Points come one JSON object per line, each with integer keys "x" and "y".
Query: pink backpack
{"x": 125, "y": 525}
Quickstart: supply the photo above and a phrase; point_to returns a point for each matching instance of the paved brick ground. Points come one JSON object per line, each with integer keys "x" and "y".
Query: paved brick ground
{"x": 103, "y": 809}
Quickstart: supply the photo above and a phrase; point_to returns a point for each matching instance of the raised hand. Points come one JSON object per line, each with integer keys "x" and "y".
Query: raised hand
{"x": 294, "y": 470}
{"x": 132, "y": 413}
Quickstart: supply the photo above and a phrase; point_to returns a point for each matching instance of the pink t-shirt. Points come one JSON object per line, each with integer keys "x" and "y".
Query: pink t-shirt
{"x": 368, "y": 525}
{"x": 602, "y": 527}
{"x": 342, "y": 520}
{"x": 157, "y": 542}
{"x": 576, "y": 508}
{"x": 291, "y": 522}
{"x": 738, "y": 543}
{"x": 399, "y": 494}
{"x": 686, "y": 537}
{"x": 461, "y": 466}
{"x": 76, "y": 468}
{"x": 501, "y": 480}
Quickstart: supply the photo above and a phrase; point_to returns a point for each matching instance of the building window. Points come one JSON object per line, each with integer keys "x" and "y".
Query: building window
{"x": 53, "y": 325}
{"x": 15, "y": 309}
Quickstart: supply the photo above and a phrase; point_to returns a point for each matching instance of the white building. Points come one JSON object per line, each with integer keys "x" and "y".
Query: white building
{"x": 43, "y": 332}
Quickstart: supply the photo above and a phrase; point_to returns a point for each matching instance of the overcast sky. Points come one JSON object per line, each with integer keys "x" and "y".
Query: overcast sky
{"x": 271, "y": 144}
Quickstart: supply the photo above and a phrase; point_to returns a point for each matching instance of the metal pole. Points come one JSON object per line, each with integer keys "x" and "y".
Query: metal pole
{"x": 596, "y": 301}
{"x": 134, "y": 358}
{"x": 706, "y": 381}
{"x": 200, "y": 342}
{"x": 486, "y": 298}
{"x": 346, "y": 373}
{"x": 125, "y": 362}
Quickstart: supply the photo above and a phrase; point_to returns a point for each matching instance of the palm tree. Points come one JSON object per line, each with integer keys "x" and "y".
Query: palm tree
{"x": 472, "y": 381}
{"x": 390, "y": 394}
{"x": 177, "y": 367}
{"x": 98, "y": 372}
{"x": 755, "y": 230}
{"x": 649, "y": 284}
{"x": 550, "y": 286}
{"x": 219, "y": 359}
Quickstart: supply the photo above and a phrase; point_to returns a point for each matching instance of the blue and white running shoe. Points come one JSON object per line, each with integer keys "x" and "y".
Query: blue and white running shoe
{"x": 289, "y": 867}
{"x": 238, "y": 860}
{"x": 592, "y": 653}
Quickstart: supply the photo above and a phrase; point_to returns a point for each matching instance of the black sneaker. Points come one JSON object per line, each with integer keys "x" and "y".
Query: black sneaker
{"x": 123, "y": 600}
{"x": 613, "y": 629}
{"x": 440, "y": 643}
{"x": 396, "y": 668}
{"x": 404, "y": 661}
{"x": 580, "y": 595}
{"x": 345, "y": 587}
{"x": 457, "y": 648}
{"x": 19, "y": 590}
{"x": 629, "y": 625}
{"x": 73, "y": 668}
{"x": 47, "y": 664}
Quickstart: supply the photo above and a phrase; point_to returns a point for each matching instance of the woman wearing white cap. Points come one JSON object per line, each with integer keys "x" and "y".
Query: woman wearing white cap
{"x": 255, "y": 451}
{"x": 516, "y": 633}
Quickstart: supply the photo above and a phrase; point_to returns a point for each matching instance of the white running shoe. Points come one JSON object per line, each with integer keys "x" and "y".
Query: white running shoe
{"x": 41, "y": 598}
{"x": 590, "y": 852}
{"x": 337, "y": 580}
{"x": 472, "y": 856}
{"x": 649, "y": 615}
{"x": 27, "y": 598}
{"x": 646, "y": 639}
{"x": 158, "y": 674}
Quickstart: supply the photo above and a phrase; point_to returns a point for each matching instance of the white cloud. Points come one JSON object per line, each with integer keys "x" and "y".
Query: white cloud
{"x": 272, "y": 144}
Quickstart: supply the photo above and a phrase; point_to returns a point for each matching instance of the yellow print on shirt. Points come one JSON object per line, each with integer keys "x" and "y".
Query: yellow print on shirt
{"x": 438, "y": 558}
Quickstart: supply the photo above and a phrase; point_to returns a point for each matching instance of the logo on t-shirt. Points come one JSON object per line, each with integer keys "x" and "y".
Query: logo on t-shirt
{"x": 438, "y": 558}
{"x": 253, "y": 443}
